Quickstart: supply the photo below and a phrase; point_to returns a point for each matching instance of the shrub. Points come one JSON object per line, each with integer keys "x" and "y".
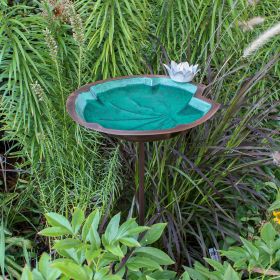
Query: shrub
{"x": 123, "y": 251}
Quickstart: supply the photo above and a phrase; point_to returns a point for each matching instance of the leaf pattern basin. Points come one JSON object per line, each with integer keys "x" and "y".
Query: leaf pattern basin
{"x": 141, "y": 104}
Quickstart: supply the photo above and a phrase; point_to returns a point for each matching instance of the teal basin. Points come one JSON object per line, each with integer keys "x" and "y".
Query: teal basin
{"x": 141, "y": 105}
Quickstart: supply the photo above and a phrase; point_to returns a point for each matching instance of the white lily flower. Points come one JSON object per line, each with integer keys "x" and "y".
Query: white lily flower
{"x": 181, "y": 72}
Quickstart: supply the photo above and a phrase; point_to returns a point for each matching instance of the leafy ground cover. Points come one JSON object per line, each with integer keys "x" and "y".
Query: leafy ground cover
{"x": 210, "y": 186}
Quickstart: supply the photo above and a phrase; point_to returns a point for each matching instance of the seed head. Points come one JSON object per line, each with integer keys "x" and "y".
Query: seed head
{"x": 51, "y": 43}
{"x": 250, "y": 24}
{"x": 76, "y": 24}
{"x": 38, "y": 90}
{"x": 276, "y": 158}
{"x": 262, "y": 39}
{"x": 253, "y": 2}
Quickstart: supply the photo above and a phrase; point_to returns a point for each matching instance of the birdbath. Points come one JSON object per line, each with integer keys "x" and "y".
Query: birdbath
{"x": 140, "y": 109}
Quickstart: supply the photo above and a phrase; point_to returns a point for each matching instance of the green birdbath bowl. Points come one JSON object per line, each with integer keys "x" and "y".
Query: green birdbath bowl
{"x": 141, "y": 109}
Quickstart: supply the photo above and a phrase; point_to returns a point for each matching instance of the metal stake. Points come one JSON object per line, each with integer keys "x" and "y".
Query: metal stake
{"x": 141, "y": 170}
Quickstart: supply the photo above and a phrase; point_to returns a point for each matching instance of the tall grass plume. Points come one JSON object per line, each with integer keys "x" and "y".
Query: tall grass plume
{"x": 251, "y": 23}
{"x": 262, "y": 40}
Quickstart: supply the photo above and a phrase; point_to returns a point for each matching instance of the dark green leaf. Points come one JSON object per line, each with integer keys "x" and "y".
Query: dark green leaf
{"x": 92, "y": 221}
{"x": 67, "y": 243}
{"x": 274, "y": 206}
{"x": 155, "y": 254}
{"x": 230, "y": 274}
{"x": 26, "y": 274}
{"x": 129, "y": 242}
{"x": 215, "y": 264}
{"x": 112, "y": 229}
{"x": 162, "y": 275}
{"x": 153, "y": 234}
{"x": 135, "y": 263}
{"x": 185, "y": 276}
{"x": 268, "y": 233}
{"x": 92, "y": 254}
{"x": 54, "y": 231}
{"x": 94, "y": 238}
{"x": 57, "y": 220}
{"x": 71, "y": 269}
{"x": 45, "y": 268}
{"x": 137, "y": 230}
{"x": 77, "y": 219}
{"x": 115, "y": 250}
{"x": 250, "y": 248}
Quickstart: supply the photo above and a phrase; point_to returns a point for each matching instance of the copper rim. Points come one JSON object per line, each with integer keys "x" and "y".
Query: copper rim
{"x": 139, "y": 135}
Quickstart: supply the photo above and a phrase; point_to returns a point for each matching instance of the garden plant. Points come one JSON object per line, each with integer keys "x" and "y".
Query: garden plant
{"x": 213, "y": 189}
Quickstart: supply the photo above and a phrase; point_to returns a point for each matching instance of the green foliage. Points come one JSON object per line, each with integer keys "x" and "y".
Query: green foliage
{"x": 39, "y": 68}
{"x": 255, "y": 259}
{"x": 84, "y": 253}
{"x": 13, "y": 252}
{"x": 195, "y": 183}
{"x": 117, "y": 33}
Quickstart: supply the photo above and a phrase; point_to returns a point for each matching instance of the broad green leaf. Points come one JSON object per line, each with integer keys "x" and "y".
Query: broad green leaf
{"x": 92, "y": 221}
{"x": 54, "y": 231}
{"x": 101, "y": 273}
{"x": 235, "y": 253}
{"x": 76, "y": 255}
{"x": 78, "y": 218}
{"x": 111, "y": 231}
{"x": 71, "y": 269}
{"x": 136, "y": 263}
{"x": 129, "y": 242}
{"x": 241, "y": 264}
{"x": 250, "y": 248}
{"x": 163, "y": 275}
{"x": 130, "y": 228}
{"x": 193, "y": 274}
{"x": 43, "y": 264}
{"x": 67, "y": 243}
{"x": 230, "y": 274}
{"x": 37, "y": 275}
{"x": 267, "y": 247}
{"x": 115, "y": 250}
{"x": 26, "y": 274}
{"x": 94, "y": 238}
{"x": 274, "y": 206}
{"x": 125, "y": 227}
{"x": 203, "y": 270}
{"x": 252, "y": 263}
{"x": 137, "y": 230}
{"x": 155, "y": 254}
{"x": 153, "y": 234}
{"x": 45, "y": 268}
{"x": 276, "y": 244}
{"x": 92, "y": 254}
{"x": 277, "y": 255}
{"x": 215, "y": 264}
{"x": 57, "y": 220}
{"x": 268, "y": 233}
{"x": 185, "y": 276}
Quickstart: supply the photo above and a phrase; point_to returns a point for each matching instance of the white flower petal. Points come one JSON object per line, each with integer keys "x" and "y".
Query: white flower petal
{"x": 174, "y": 66}
{"x": 168, "y": 69}
{"x": 178, "y": 77}
{"x": 194, "y": 69}
{"x": 181, "y": 72}
{"x": 188, "y": 77}
{"x": 186, "y": 65}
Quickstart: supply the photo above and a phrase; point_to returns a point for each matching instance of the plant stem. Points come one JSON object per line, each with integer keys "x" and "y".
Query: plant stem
{"x": 79, "y": 65}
